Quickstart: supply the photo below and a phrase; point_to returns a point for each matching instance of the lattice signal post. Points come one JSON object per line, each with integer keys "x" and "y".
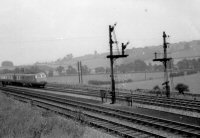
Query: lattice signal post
{"x": 112, "y": 58}
{"x": 164, "y": 60}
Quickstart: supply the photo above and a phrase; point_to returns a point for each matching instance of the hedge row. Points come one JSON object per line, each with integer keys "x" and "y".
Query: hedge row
{"x": 99, "y": 82}
{"x": 182, "y": 73}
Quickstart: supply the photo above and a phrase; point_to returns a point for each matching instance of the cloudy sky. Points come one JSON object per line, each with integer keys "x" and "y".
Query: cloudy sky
{"x": 44, "y": 30}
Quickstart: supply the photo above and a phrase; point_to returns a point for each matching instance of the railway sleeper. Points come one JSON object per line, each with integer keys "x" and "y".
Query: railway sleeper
{"x": 136, "y": 134}
{"x": 129, "y": 132}
{"x": 196, "y": 131}
{"x": 127, "y": 135}
{"x": 183, "y": 132}
{"x": 117, "y": 128}
{"x": 106, "y": 124}
{"x": 162, "y": 124}
{"x": 190, "y": 130}
{"x": 112, "y": 130}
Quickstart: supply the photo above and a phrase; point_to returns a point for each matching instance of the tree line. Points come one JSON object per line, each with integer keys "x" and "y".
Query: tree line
{"x": 136, "y": 66}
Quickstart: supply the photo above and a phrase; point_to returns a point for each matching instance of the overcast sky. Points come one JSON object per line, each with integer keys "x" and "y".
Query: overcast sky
{"x": 44, "y": 30}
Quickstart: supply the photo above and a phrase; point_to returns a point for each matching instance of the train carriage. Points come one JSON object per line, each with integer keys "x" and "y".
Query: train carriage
{"x": 36, "y": 80}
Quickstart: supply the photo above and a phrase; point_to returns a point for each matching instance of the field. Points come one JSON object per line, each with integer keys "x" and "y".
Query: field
{"x": 105, "y": 77}
{"x": 140, "y": 80}
{"x": 192, "y": 81}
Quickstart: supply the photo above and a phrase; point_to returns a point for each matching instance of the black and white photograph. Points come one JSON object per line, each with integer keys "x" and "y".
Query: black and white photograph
{"x": 99, "y": 69}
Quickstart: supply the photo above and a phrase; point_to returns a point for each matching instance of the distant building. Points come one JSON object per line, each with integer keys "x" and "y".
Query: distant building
{"x": 55, "y": 73}
{"x": 93, "y": 71}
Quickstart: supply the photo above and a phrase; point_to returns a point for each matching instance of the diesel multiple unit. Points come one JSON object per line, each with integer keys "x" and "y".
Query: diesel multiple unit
{"x": 30, "y": 80}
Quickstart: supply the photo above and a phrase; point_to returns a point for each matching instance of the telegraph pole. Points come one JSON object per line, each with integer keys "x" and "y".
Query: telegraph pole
{"x": 79, "y": 79}
{"x": 81, "y": 72}
{"x": 112, "y": 58}
{"x": 164, "y": 60}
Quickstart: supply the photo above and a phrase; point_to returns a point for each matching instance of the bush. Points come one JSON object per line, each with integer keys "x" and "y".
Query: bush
{"x": 181, "y": 88}
{"x": 190, "y": 72}
{"x": 181, "y": 73}
{"x": 176, "y": 74}
{"x": 156, "y": 88}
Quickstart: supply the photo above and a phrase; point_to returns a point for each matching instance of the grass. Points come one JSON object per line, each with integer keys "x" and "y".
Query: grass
{"x": 18, "y": 120}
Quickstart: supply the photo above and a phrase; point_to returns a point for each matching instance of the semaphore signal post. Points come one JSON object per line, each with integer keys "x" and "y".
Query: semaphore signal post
{"x": 112, "y": 57}
{"x": 164, "y": 60}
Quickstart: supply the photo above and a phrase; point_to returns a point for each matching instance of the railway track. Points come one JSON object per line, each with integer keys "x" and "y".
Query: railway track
{"x": 95, "y": 121}
{"x": 181, "y": 104}
{"x": 181, "y": 129}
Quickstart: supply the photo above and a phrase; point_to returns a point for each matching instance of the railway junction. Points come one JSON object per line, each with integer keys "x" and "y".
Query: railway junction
{"x": 85, "y": 105}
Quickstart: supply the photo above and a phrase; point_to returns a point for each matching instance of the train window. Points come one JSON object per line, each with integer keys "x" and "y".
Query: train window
{"x": 38, "y": 76}
{"x": 18, "y": 77}
{"x": 43, "y": 75}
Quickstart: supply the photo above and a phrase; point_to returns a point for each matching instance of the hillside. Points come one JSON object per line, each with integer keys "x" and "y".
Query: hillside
{"x": 177, "y": 51}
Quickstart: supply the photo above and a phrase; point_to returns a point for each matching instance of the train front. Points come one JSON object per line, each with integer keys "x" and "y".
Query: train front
{"x": 41, "y": 79}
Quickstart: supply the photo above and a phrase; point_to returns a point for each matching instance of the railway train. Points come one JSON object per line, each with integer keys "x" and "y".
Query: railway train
{"x": 28, "y": 80}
